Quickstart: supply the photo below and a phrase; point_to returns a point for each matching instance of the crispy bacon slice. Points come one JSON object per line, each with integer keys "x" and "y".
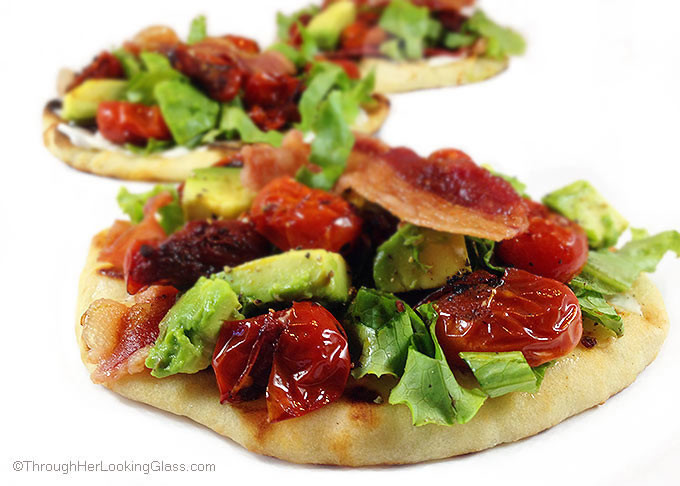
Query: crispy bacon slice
{"x": 446, "y": 191}
{"x": 264, "y": 163}
{"x": 118, "y": 337}
{"x": 123, "y": 236}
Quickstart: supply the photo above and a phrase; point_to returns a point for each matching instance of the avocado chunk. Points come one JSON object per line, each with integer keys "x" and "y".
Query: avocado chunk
{"x": 188, "y": 332}
{"x": 293, "y": 275}
{"x": 215, "y": 192}
{"x": 581, "y": 203}
{"x": 419, "y": 258}
{"x": 325, "y": 28}
{"x": 82, "y": 101}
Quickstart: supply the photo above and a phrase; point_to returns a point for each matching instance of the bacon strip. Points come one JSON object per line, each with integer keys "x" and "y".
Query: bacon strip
{"x": 118, "y": 337}
{"x": 445, "y": 192}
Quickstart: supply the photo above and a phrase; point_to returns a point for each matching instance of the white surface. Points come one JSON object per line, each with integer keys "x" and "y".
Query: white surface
{"x": 595, "y": 97}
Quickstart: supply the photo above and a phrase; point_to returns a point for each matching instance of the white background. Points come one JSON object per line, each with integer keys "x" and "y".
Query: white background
{"x": 596, "y": 97}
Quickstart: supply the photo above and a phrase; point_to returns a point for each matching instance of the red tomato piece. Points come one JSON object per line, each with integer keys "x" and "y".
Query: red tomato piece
{"x": 300, "y": 356}
{"x": 311, "y": 363}
{"x": 124, "y": 122}
{"x": 244, "y": 44}
{"x": 516, "y": 312}
{"x": 291, "y": 215}
{"x": 552, "y": 247}
{"x": 271, "y": 99}
{"x": 104, "y": 66}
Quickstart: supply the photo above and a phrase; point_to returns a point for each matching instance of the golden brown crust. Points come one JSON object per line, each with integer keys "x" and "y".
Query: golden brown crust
{"x": 399, "y": 77}
{"x": 365, "y": 433}
{"x": 157, "y": 167}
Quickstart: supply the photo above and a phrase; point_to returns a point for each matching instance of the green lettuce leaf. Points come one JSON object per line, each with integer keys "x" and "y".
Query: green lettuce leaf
{"x": 331, "y": 146}
{"x": 595, "y": 307}
{"x": 235, "y": 119}
{"x": 284, "y": 22}
{"x": 501, "y": 41}
{"x": 129, "y": 61}
{"x": 157, "y": 69}
{"x": 456, "y": 40}
{"x": 480, "y": 253}
{"x": 502, "y": 373}
{"x": 187, "y": 112}
{"x": 408, "y": 22}
{"x": 647, "y": 251}
{"x": 171, "y": 217}
{"x": 152, "y": 146}
{"x": 582, "y": 203}
{"x": 198, "y": 30}
{"x": 429, "y": 388}
{"x": 323, "y": 77}
{"x": 382, "y": 326}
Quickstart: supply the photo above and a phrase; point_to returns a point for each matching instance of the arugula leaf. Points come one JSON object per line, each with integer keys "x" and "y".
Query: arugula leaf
{"x": 284, "y": 22}
{"x": 187, "y": 112}
{"x": 131, "y": 64}
{"x": 583, "y": 204}
{"x": 171, "y": 217}
{"x": 410, "y": 23}
{"x": 595, "y": 307}
{"x": 235, "y": 119}
{"x": 198, "y": 30}
{"x": 331, "y": 146}
{"x": 480, "y": 253}
{"x": 157, "y": 69}
{"x": 429, "y": 388}
{"x": 501, "y": 41}
{"x": 502, "y": 373}
{"x": 383, "y": 326}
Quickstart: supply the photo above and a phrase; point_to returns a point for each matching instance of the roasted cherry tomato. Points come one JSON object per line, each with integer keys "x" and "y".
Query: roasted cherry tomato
{"x": 360, "y": 35}
{"x": 200, "y": 248}
{"x": 123, "y": 122}
{"x": 271, "y": 100}
{"x": 291, "y": 215}
{"x": 516, "y": 312}
{"x": 551, "y": 247}
{"x": 244, "y": 44}
{"x": 300, "y": 356}
{"x": 104, "y": 66}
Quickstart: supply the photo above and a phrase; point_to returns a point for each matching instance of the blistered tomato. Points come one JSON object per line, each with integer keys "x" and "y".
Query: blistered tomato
{"x": 123, "y": 122}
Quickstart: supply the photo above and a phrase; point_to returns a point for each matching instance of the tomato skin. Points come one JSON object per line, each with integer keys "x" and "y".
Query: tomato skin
{"x": 552, "y": 247}
{"x": 291, "y": 215}
{"x": 104, "y": 66}
{"x": 244, "y": 43}
{"x": 123, "y": 122}
{"x": 271, "y": 99}
{"x": 516, "y": 312}
{"x": 300, "y": 356}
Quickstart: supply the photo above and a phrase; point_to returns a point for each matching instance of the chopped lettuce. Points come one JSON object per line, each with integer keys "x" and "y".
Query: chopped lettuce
{"x": 235, "y": 119}
{"x": 187, "y": 112}
{"x": 152, "y": 145}
{"x": 410, "y": 24}
{"x": 129, "y": 61}
{"x": 198, "y": 30}
{"x": 595, "y": 307}
{"x": 456, "y": 40}
{"x": 323, "y": 77}
{"x": 171, "y": 217}
{"x": 284, "y": 22}
{"x": 647, "y": 251}
{"x": 429, "y": 388}
{"x": 331, "y": 146}
{"x": 500, "y": 41}
{"x": 189, "y": 330}
{"x": 582, "y": 203}
{"x": 383, "y": 326}
{"x": 157, "y": 69}
{"x": 480, "y": 253}
{"x": 501, "y": 373}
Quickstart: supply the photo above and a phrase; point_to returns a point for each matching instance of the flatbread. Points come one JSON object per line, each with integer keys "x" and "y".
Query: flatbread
{"x": 359, "y": 433}
{"x": 399, "y": 77}
{"x": 123, "y": 164}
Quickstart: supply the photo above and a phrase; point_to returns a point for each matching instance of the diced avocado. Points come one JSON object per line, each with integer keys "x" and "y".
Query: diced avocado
{"x": 325, "y": 28}
{"x": 188, "y": 332}
{"x": 419, "y": 258}
{"x": 580, "y": 202}
{"x": 293, "y": 275}
{"x": 215, "y": 192}
{"x": 81, "y": 102}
